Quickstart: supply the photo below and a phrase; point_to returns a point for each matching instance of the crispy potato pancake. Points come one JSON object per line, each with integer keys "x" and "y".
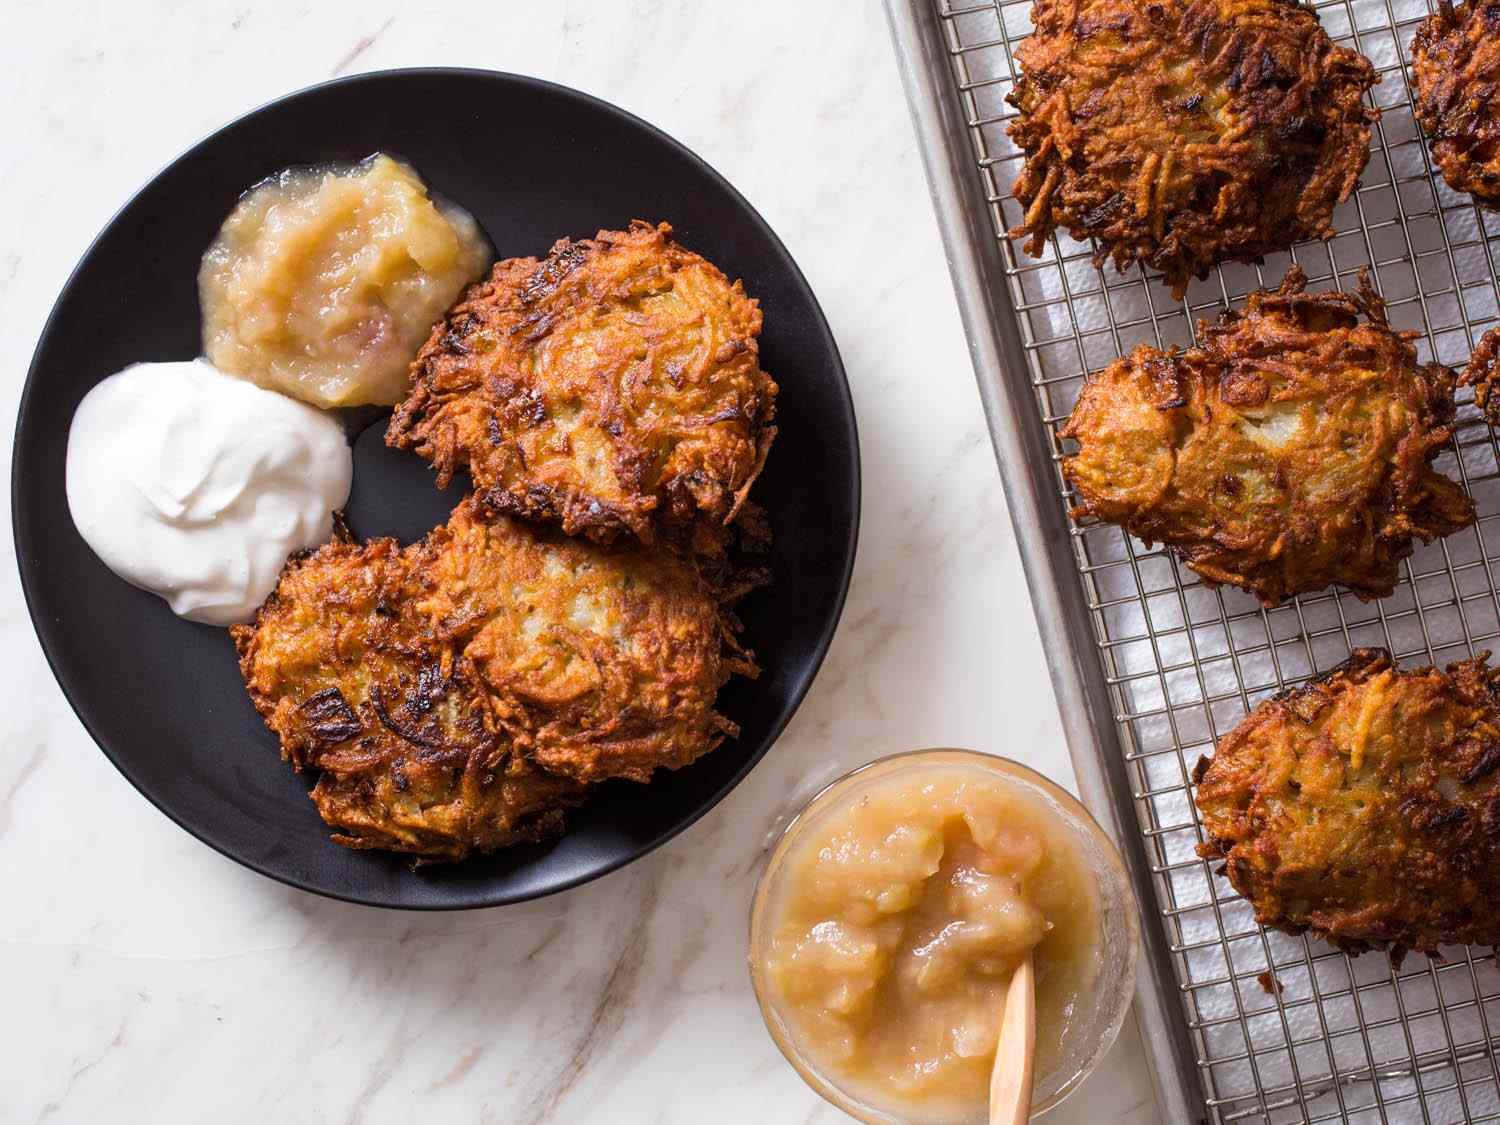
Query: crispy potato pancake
{"x": 614, "y": 387}
{"x": 1364, "y": 807}
{"x": 1289, "y": 452}
{"x": 1483, "y": 374}
{"x": 458, "y": 693}
{"x": 1456, "y": 64}
{"x": 338, "y": 666}
{"x": 1185, "y": 133}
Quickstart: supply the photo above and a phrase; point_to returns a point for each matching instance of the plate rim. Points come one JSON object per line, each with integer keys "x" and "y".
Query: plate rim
{"x": 819, "y": 651}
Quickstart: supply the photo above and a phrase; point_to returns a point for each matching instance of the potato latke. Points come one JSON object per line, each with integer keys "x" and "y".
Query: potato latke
{"x": 458, "y": 693}
{"x": 1184, "y": 134}
{"x": 614, "y": 387}
{"x": 1456, "y": 64}
{"x": 1483, "y": 374}
{"x": 1364, "y": 807}
{"x": 1289, "y": 452}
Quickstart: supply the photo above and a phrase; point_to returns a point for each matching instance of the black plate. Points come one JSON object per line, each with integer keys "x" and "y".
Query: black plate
{"x": 533, "y": 161}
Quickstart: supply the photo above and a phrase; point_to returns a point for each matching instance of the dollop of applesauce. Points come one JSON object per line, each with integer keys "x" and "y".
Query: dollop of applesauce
{"x": 898, "y": 921}
{"x": 325, "y": 281}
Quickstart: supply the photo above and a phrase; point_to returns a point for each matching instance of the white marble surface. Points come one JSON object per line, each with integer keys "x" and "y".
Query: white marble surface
{"x": 147, "y": 978}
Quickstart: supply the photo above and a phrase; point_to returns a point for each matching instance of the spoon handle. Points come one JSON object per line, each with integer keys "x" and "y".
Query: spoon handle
{"x": 1015, "y": 1052}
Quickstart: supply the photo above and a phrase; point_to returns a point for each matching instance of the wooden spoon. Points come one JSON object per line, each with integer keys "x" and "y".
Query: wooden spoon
{"x": 1015, "y": 1053}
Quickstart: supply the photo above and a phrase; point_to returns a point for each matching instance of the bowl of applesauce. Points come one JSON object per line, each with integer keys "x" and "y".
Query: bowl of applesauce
{"x": 893, "y": 911}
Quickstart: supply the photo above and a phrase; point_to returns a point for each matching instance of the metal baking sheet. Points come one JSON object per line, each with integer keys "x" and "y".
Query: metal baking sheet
{"x": 1151, "y": 666}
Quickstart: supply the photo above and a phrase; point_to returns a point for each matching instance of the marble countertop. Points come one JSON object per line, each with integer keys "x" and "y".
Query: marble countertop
{"x": 148, "y": 978}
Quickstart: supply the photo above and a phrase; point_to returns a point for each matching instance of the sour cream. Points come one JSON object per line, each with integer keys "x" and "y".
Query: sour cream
{"x": 196, "y": 485}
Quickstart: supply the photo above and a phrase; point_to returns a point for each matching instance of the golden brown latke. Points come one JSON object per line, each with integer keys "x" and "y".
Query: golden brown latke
{"x": 1185, "y": 133}
{"x": 1364, "y": 807}
{"x": 1456, "y": 64}
{"x": 456, "y": 694}
{"x": 338, "y": 665}
{"x": 1483, "y": 374}
{"x": 613, "y": 387}
{"x": 1289, "y": 452}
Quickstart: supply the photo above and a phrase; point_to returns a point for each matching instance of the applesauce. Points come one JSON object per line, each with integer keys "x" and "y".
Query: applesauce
{"x": 325, "y": 281}
{"x": 894, "y": 912}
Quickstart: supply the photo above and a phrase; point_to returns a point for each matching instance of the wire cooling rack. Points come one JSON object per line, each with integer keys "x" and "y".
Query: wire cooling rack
{"x": 1281, "y": 1029}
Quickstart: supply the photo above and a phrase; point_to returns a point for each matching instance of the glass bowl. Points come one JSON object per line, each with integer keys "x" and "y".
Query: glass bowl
{"x": 1119, "y": 936}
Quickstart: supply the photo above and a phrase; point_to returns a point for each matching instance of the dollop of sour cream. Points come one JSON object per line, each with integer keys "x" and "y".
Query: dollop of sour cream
{"x": 197, "y": 485}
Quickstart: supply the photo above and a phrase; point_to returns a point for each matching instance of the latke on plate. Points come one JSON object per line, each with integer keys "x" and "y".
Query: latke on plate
{"x": 1289, "y": 452}
{"x": 612, "y": 388}
{"x": 457, "y": 694}
{"x": 1185, "y": 133}
{"x": 1364, "y": 807}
